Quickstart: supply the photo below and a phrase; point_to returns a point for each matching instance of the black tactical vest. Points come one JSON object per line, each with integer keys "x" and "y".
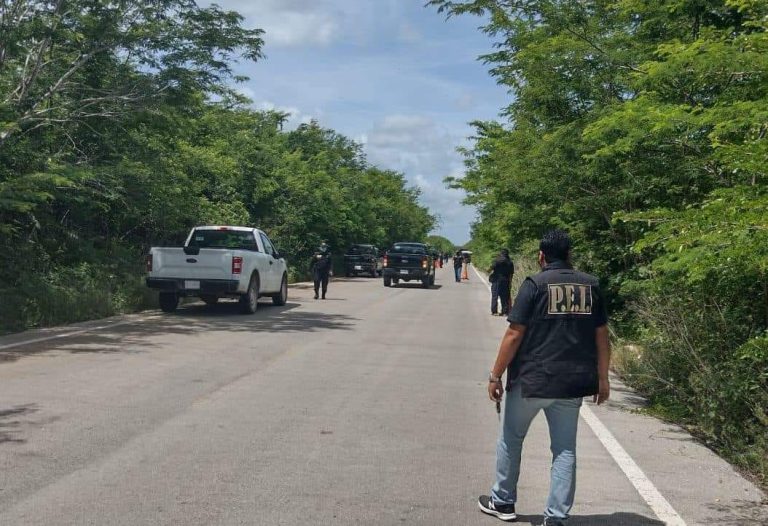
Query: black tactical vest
{"x": 558, "y": 355}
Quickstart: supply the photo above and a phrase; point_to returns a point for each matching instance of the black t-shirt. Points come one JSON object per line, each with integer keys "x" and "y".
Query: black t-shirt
{"x": 321, "y": 261}
{"x": 502, "y": 269}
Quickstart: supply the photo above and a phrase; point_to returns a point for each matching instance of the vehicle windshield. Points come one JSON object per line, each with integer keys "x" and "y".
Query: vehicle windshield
{"x": 360, "y": 249}
{"x": 227, "y": 239}
{"x": 409, "y": 248}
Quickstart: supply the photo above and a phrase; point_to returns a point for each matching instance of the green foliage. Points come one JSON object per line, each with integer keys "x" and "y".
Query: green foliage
{"x": 441, "y": 244}
{"x": 641, "y": 128}
{"x": 123, "y": 131}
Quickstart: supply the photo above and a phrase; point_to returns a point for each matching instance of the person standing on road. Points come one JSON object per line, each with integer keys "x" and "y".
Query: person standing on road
{"x": 500, "y": 277}
{"x": 321, "y": 268}
{"x": 458, "y": 262}
{"x": 556, "y": 351}
{"x": 465, "y": 268}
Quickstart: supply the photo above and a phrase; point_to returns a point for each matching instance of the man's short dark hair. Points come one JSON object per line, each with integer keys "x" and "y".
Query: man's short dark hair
{"x": 555, "y": 244}
{"x": 504, "y": 252}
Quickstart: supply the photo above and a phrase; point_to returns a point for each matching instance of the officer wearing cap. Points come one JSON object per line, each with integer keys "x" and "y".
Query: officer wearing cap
{"x": 556, "y": 351}
{"x": 321, "y": 269}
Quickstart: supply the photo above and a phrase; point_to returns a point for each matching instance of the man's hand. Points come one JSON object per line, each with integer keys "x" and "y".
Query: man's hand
{"x": 603, "y": 393}
{"x": 495, "y": 391}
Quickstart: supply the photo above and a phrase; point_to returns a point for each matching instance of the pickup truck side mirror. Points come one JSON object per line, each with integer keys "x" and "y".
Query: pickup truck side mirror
{"x": 276, "y": 255}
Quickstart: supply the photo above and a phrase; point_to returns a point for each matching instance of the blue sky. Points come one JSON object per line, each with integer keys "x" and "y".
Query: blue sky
{"x": 391, "y": 74}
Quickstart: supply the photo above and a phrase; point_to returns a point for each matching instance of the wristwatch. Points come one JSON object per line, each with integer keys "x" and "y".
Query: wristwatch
{"x": 494, "y": 379}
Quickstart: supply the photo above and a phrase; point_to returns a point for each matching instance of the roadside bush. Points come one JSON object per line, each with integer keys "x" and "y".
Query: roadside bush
{"x": 71, "y": 294}
{"x": 701, "y": 308}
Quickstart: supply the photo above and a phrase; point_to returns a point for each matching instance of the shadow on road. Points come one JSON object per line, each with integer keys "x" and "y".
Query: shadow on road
{"x": 190, "y": 319}
{"x": 613, "y": 519}
{"x": 10, "y": 423}
{"x": 415, "y": 286}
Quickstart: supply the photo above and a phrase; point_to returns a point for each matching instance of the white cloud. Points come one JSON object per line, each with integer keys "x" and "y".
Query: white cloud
{"x": 295, "y": 115}
{"x": 426, "y": 152}
{"x": 291, "y": 23}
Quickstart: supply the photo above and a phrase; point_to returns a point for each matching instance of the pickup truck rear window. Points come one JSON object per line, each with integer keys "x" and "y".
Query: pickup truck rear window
{"x": 226, "y": 239}
{"x": 361, "y": 249}
{"x": 407, "y": 248}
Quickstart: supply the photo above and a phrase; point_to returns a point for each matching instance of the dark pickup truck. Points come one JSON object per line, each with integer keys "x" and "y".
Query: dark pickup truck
{"x": 409, "y": 262}
{"x": 362, "y": 259}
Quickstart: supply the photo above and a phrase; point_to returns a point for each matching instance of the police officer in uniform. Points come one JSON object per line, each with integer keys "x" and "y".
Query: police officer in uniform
{"x": 321, "y": 268}
{"x": 556, "y": 351}
{"x": 500, "y": 277}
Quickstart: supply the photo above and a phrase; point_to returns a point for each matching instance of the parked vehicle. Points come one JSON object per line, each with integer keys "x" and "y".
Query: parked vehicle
{"x": 409, "y": 262}
{"x": 219, "y": 262}
{"x": 362, "y": 259}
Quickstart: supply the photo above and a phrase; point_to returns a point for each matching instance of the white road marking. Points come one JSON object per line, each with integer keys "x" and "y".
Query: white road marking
{"x": 73, "y": 333}
{"x": 660, "y": 506}
{"x": 482, "y": 278}
{"x": 650, "y": 494}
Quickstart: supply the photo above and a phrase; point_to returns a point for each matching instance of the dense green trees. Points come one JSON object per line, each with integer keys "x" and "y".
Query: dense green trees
{"x": 441, "y": 244}
{"x": 119, "y": 129}
{"x": 641, "y": 127}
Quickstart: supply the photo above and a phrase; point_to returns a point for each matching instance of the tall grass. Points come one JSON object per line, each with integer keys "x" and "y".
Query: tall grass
{"x": 71, "y": 294}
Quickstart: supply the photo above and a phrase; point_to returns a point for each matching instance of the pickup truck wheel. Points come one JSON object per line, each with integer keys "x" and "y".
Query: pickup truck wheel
{"x": 425, "y": 283}
{"x": 210, "y": 300}
{"x": 169, "y": 301}
{"x": 281, "y": 298}
{"x": 249, "y": 301}
{"x": 432, "y": 280}
{"x": 387, "y": 281}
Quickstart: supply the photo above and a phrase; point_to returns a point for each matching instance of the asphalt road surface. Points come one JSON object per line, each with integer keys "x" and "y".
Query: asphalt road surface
{"x": 367, "y": 408}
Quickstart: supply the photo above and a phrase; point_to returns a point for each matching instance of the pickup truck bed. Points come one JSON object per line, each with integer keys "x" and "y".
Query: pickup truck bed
{"x": 219, "y": 262}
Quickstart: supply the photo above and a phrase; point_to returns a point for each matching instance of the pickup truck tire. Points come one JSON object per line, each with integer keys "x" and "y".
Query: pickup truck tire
{"x": 281, "y": 298}
{"x": 249, "y": 301}
{"x": 168, "y": 301}
{"x": 387, "y": 281}
{"x": 210, "y": 300}
{"x": 425, "y": 283}
{"x": 432, "y": 280}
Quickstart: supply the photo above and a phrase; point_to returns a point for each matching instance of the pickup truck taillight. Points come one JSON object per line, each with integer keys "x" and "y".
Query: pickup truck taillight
{"x": 424, "y": 262}
{"x": 237, "y": 264}
{"x": 386, "y": 261}
{"x": 149, "y": 262}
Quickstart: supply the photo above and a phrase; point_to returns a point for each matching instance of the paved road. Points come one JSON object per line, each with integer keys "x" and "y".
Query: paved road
{"x": 369, "y": 407}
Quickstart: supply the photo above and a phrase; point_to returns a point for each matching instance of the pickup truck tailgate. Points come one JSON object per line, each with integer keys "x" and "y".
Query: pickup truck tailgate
{"x": 208, "y": 264}
{"x": 405, "y": 260}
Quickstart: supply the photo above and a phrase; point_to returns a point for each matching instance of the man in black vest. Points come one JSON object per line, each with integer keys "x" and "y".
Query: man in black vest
{"x": 556, "y": 351}
{"x": 500, "y": 277}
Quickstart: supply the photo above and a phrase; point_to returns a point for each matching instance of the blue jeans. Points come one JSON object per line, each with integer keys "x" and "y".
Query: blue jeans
{"x": 562, "y": 418}
{"x": 457, "y": 271}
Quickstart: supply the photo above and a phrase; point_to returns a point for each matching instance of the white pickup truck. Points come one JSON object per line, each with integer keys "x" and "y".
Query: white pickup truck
{"x": 219, "y": 262}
